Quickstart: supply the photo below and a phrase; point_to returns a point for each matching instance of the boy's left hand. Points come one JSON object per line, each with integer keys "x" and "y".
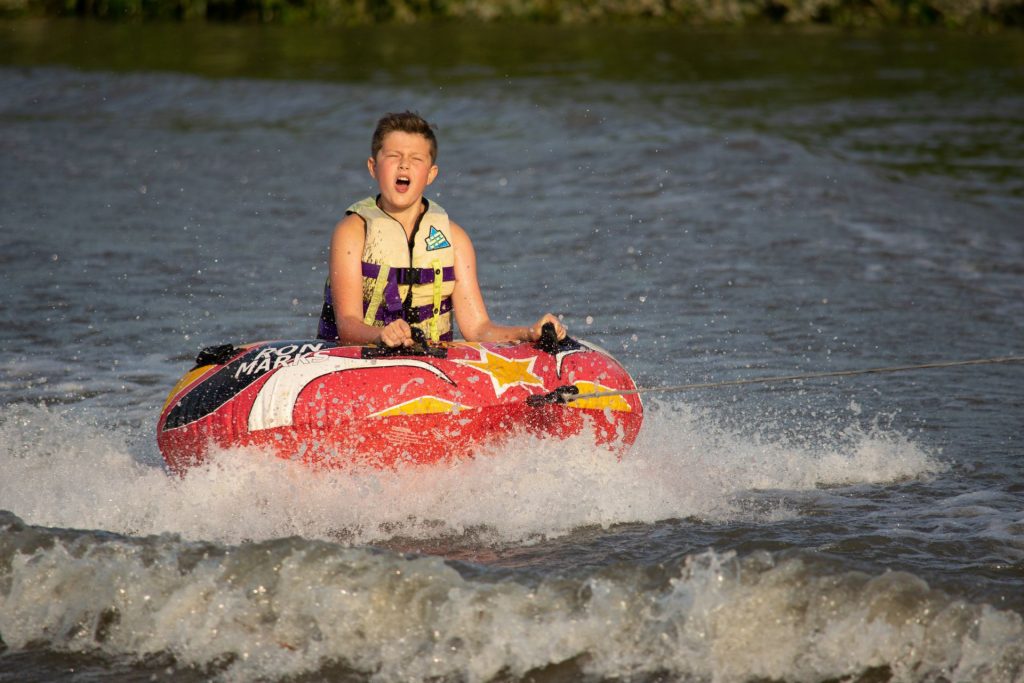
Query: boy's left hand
{"x": 535, "y": 329}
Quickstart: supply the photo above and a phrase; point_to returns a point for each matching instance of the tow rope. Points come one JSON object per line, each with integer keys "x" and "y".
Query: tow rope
{"x": 566, "y": 395}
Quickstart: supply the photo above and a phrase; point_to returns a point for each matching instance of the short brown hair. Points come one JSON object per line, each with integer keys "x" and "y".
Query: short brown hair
{"x": 403, "y": 122}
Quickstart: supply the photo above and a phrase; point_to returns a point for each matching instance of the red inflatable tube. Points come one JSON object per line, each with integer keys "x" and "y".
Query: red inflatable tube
{"x": 340, "y": 406}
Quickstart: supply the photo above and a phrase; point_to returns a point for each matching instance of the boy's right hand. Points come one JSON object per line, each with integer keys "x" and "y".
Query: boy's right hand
{"x": 397, "y": 333}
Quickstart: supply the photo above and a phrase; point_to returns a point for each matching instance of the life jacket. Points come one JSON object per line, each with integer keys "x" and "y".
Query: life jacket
{"x": 410, "y": 279}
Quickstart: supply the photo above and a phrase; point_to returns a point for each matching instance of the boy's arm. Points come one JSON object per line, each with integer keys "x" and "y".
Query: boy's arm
{"x": 347, "y": 289}
{"x": 468, "y": 302}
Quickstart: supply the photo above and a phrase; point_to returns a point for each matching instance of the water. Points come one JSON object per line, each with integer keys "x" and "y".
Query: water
{"x": 707, "y": 206}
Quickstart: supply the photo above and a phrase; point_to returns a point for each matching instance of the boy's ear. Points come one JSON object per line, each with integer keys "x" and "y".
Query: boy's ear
{"x": 431, "y": 174}
{"x": 371, "y": 166}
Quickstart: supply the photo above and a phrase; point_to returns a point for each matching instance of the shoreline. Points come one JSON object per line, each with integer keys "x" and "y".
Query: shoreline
{"x": 976, "y": 15}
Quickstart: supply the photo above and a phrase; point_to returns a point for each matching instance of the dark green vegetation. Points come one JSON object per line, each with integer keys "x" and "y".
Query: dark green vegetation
{"x": 976, "y": 14}
{"x": 767, "y": 66}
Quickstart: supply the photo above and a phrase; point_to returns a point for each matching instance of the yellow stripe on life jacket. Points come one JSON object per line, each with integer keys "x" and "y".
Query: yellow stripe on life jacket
{"x": 377, "y": 296}
{"x": 435, "y": 336}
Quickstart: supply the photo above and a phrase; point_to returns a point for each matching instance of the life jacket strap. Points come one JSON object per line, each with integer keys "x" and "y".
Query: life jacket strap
{"x": 410, "y": 276}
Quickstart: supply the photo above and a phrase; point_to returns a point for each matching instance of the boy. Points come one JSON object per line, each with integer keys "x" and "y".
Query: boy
{"x": 398, "y": 262}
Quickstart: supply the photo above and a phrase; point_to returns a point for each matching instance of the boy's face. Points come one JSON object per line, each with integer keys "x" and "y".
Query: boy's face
{"x": 403, "y": 169}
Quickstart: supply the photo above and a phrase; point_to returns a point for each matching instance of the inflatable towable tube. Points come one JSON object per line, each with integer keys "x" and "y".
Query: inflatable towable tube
{"x": 335, "y": 406}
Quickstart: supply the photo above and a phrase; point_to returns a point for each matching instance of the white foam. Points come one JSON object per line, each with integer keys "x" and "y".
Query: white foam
{"x": 57, "y": 469}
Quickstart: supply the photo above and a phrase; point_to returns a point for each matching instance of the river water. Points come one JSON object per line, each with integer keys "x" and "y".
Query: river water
{"x": 706, "y": 205}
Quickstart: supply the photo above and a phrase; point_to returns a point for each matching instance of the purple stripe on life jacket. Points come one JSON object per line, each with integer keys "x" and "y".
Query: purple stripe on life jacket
{"x": 392, "y": 298}
{"x": 409, "y": 276}
{"x": 327, "y": 329}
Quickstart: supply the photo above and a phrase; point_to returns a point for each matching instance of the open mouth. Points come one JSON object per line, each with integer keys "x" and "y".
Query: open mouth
{"x": 402, "y": 184}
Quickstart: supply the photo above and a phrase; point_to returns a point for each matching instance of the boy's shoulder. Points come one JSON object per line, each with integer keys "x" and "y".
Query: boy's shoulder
{"x": 364, "y": 206}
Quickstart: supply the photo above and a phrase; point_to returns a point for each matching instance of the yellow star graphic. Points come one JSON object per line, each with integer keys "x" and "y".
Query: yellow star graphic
{"x": 505, "y": 372}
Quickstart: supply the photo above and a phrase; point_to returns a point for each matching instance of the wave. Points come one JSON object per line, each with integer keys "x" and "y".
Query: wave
{"x": 294, "y": 606}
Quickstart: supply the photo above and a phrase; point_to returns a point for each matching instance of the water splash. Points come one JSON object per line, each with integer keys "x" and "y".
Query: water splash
{"x": 61, "y": 471}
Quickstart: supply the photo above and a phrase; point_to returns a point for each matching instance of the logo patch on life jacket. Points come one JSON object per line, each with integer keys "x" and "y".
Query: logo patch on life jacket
{"x": 436, "y": 240}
